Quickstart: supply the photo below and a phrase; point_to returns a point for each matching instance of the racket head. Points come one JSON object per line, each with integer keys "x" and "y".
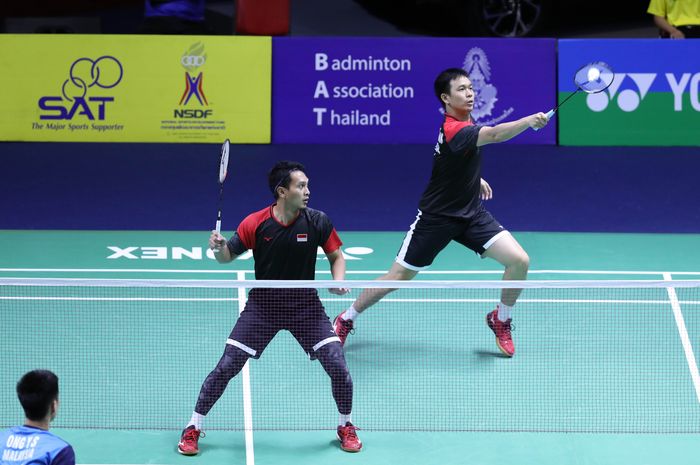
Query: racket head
{"x": 223, "y": 162}
{"x": 594, "y": 77}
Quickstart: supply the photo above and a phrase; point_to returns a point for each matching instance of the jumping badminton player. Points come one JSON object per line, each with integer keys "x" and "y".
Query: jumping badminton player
{"x": 284, "y": 238}
{"x": 451, "y": 207}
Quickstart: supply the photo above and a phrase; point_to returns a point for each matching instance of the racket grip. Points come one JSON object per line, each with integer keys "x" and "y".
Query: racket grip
{"x": 218, "y": 226}
{"x": 549, "y": 115}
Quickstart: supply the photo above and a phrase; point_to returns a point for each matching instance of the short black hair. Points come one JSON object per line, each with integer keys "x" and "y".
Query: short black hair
{"x": 36, "y": 391}
{"x": 279, "y": 175}
{"x": 443, "y": 80}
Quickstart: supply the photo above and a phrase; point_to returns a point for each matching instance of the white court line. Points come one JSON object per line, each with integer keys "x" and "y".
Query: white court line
{"x": 685, "y": 340}
{"x": 477, "y": 272}
{"x": 537, "y": 301}
{"x": 116, "y": 270}
{"x": 124, "y": 299}
{"x": 349, "y": 299}
{"x": 247, "y": 402}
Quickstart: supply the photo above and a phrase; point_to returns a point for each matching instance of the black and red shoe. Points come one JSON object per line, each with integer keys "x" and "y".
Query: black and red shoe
{"x": 347, "y": 435}
{"x": 502, "y": 330}
{"x": 189, "y": 441}
{"x": 342, "y": 327}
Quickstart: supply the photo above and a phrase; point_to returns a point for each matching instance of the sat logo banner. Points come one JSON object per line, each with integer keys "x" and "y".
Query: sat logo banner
{"x": 135, "y": 88}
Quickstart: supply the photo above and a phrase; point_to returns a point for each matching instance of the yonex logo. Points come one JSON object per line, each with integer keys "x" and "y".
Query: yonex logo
{"x": 199, "y": 253}
{"x": 630, "y": 89}
{"x": 627, "y": 99}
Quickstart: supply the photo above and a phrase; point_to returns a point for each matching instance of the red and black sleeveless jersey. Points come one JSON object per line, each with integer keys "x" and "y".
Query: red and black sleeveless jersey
{"x": 285, "y": 251}
{"x": 455, "y": 183}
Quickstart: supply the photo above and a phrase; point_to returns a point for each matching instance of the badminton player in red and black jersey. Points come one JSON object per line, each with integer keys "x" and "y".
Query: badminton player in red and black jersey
{"x": 284, "y": 237}
{"x": 451, "y": 208}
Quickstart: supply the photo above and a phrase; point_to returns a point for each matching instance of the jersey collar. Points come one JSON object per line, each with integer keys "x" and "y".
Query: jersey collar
{"x": 272, "y": 215}
{"x": 451, "y": 119}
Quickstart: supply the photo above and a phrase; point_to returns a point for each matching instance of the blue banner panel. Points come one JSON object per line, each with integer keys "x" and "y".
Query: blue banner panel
{"x": 380, "y": 90}
{"x": 653, "y": 100}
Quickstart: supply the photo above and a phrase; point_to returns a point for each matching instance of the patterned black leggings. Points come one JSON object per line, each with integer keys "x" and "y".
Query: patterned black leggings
{"x": 331, "y": 357}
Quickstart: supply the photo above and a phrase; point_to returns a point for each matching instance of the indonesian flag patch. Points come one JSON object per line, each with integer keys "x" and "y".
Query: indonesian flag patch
{"x": 302, "y": 237}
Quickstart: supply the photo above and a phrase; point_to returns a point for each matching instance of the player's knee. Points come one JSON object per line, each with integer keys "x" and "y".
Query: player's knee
{"x": 333, "y": 355}
{"x": 523, "y": 261}
{"x": 519, "y": 261}
{"x": 332, "y": 358}
{"x": 231, "y": 362}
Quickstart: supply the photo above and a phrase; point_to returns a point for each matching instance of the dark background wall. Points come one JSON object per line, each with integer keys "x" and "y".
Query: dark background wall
{"x": 362, "y": 187}
{"x": 161, "y": 186}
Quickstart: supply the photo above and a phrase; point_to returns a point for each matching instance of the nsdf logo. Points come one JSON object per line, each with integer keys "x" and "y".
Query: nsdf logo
{"x": 85, "y": 76}
{"x": 193, "y": 59}
{"x": 628, "y": 90}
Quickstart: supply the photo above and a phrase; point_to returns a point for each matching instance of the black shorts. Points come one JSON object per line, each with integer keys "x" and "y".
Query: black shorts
{"x": 429, "y": 234}
{"x": 270, "y": 310}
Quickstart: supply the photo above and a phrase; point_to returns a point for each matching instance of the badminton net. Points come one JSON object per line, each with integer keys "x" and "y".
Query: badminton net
{"x": 590, "y": 356}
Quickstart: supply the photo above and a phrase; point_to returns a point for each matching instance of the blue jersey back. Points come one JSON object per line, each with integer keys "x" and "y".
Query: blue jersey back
{"x": 24, "y": 445}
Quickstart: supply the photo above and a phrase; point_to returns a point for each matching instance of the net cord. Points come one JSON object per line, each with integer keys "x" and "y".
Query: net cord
{"x": 328, "y": 284}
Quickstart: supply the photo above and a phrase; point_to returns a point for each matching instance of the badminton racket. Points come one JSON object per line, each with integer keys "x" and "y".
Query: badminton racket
{"x": 592, "y": 78}
{"x": 223, "y": 170}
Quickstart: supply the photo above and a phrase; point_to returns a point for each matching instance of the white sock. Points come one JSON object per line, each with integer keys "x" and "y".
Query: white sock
{"x": 504, "y": 312}
{"x": 351, "y": 313}
{"x": 344, "y": 419}
{"x": 196, "y": 420}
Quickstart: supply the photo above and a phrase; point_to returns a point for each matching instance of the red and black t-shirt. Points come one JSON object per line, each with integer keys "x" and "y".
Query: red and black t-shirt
{"x": 285, "y": 251}
{"x": 455, "y": 183}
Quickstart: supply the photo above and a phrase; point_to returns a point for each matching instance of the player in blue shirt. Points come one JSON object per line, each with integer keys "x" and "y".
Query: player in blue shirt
{"x": 32, "y": 443}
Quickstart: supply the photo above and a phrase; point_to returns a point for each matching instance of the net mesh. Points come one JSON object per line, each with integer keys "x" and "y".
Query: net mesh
{"x": 591, "y": 357}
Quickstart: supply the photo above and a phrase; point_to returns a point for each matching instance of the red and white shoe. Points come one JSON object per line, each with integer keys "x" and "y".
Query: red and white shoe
{"x": 342, "y": 327}
{"x": 189, "y": 441}
{"x": 347, "y": 435}
{"x": 502, "y": 330}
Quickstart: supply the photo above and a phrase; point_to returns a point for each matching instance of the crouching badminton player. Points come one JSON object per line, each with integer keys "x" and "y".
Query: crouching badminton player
{"x": 284, "y": 238}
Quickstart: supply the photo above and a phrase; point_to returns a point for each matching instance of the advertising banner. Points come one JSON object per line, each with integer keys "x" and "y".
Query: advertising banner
{"x": 654, "y": 99}
{"x": 128, "y": 88}
{"x": 380, "y": 90}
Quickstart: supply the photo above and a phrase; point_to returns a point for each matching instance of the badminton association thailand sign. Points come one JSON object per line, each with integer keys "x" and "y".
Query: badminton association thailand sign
{"x": 135, "y": 89}
{"x": 653, "y": 100}
{"x": 370, "y": 90}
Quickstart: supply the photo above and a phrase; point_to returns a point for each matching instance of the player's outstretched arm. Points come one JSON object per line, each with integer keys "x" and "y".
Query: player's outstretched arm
{"x": 505, "y": 131}
{"x": 217, "y": 243}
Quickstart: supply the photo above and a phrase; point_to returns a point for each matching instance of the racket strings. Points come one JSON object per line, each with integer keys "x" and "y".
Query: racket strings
{"x": 594, "y": 77}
